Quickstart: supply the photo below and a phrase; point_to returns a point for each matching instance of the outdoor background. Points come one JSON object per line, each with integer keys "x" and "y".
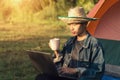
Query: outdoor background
{"x": 28, "y": 25}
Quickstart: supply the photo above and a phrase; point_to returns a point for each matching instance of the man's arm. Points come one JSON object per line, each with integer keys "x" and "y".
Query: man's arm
{"x": 96, "y": 65}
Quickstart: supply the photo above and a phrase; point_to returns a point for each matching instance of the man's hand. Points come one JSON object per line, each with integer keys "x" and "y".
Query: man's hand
{"x": 67, "y": 70}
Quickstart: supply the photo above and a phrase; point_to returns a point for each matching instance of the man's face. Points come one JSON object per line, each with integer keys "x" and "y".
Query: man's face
{"x": 75, "y": 28}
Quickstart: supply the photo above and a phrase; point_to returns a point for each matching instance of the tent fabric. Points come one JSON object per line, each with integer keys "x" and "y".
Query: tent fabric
{"x": 112, "y": 54}
{"x": 98, "y": 11}
{"x": 111, "y": 51}
{"x": 112, "y": 70}
{"x": 107, "y": 30}
{"x": 109, "y": 25}
{"x": 107, "y": 77}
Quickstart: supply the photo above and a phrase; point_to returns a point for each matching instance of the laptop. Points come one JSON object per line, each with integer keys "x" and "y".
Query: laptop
{"x": 43, "y": 63}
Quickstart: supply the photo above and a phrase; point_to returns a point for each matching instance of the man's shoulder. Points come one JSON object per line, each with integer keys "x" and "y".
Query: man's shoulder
{"x": 90, "y": 37}
{"x": 93, "y": 39}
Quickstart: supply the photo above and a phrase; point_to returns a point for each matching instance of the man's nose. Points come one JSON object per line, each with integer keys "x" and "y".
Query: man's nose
{"x": 71, "y": 27}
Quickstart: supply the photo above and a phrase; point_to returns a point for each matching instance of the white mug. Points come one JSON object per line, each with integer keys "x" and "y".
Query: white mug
{"x": 55, "y": 43}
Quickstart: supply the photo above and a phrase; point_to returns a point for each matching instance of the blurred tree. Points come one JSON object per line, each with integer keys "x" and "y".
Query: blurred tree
{"x": 44, "y": 9}
{"x": 95, "y": 1}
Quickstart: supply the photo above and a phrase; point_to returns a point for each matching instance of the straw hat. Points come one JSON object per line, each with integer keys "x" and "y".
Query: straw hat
{"x": 76, "y": 15}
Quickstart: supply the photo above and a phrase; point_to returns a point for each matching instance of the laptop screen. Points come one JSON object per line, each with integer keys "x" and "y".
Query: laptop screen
{"x": 43, "y": 62}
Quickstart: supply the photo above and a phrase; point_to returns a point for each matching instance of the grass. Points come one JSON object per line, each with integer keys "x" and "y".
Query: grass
{"x": 15, "y": 39}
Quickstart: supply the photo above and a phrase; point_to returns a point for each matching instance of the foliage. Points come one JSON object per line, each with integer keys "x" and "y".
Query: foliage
{"x": 86, "y": 4}
{"x": 35, "y": 11}
{"x": 31, "y": 22}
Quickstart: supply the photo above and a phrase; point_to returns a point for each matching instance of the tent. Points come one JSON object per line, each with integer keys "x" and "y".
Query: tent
{"x": 107, "y": 30}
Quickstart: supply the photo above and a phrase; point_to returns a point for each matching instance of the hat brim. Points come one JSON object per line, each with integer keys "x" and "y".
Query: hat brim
{"x": 76, "y": 19}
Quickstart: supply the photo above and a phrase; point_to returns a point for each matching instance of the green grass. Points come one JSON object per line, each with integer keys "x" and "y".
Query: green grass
{"x": 15, "y": 39}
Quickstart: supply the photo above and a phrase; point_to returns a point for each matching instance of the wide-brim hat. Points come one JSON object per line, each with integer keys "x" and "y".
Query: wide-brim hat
{"x": 76, "y": 15}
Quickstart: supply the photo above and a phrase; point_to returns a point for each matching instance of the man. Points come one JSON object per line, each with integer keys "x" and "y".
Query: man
{"x": 82, "y": 56}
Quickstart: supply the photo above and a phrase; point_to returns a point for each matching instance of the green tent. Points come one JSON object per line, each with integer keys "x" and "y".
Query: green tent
{"x": 107, "y": 30}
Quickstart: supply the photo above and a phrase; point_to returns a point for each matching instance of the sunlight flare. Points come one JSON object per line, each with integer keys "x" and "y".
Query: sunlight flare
{"x": 16, "y": 2}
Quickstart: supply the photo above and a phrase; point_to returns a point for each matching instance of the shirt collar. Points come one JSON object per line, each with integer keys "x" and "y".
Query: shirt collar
{"x": 85, "y": 43}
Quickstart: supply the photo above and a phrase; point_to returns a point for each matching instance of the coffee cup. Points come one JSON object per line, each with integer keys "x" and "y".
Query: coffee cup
{"x": 55, "y": 43}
